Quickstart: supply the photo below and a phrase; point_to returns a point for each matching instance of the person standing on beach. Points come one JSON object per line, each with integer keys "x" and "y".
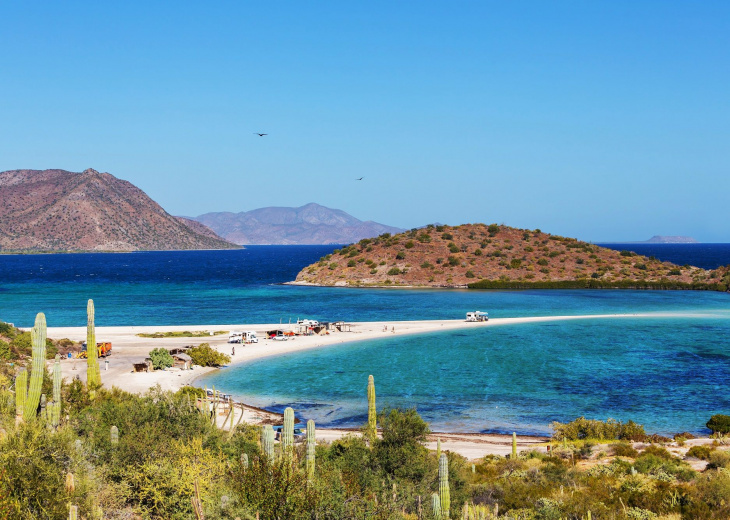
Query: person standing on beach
{"x": 233, "y": 350}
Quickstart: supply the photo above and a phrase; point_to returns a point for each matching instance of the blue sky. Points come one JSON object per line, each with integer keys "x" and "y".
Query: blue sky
{"x": 604, "y": 121}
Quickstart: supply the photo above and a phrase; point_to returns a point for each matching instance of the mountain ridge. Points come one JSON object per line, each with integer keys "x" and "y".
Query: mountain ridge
{"x": 279, "y": 225}
{"x": 59, "y": 210}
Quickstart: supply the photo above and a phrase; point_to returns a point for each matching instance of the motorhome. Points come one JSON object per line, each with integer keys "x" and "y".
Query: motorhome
{"x": 477, "y": 316}
{"x": 247, "y": 336}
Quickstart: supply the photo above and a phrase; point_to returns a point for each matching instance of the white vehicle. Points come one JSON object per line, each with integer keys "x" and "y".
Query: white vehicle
{"x": 477, "y": 316}
{"x": 279, "y": 337}
{"x": 235, "y": 337}
{"x": 310, "y": 323}
{"x": 250, "y": 337}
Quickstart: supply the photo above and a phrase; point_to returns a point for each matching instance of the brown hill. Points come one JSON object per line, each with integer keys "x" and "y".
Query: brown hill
{"x": 495, "y": 256}
{"x": 57, "y": 210}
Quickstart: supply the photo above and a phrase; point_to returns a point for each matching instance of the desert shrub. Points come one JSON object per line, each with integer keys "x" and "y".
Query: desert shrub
{"x": 351, "y": 263}
{"x": 453, "y": 248}
{"x": 700, "y": 452}
{"x": 719, "y": 459}
{"x": 332, "y": 266}
{"x": 493, "y": 229}
{"x": 409, "y": 244}
{"x": 400, "y": 255}
{"x": 6, "y": 353}
{"x": 424, "y": 238}
{"x": 675, "y": 272}
{"x": 624, "y": 449}
{"x": 719, "y": 423}
{"x": 453, "y": 261}
{"x": 205, "y": 356}
{"x": 542, "y": 261}
{"x": 641, "y": 267}
{"x": 470, "y": 274}
{"x": 515, "y": 263}
{"x": 161, "y": 358}
{"x": 583, "y": 428}
{"x": 426, "y": 265}
{"x": 447, "y": 236}
{"x": 393, "y": 271}
{"x": 400, "y": 452}
{"x": 627, "y": 253}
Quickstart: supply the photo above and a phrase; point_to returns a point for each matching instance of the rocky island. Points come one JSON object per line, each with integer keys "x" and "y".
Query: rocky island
{"x": 499, "y": 257}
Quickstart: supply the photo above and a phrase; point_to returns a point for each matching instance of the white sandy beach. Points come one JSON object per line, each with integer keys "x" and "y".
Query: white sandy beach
{"x": 128, "y": 348}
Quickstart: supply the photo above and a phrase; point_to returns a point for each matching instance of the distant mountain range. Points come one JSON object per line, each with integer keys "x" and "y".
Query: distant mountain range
{"x": 308, "y": 224}
{"x": 659, "y": 239}
{"x": 58, "y": 210}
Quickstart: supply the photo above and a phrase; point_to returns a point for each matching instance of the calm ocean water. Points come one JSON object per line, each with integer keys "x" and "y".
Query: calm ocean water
{"x": 668, "y": 373}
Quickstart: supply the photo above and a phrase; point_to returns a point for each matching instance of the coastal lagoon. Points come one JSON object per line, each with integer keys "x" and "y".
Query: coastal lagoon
{"x": 669, "y": 372}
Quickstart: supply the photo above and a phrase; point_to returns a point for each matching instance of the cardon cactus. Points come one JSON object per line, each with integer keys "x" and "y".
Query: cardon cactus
{"x": 38, "y": 336}
{"x": 514, "y": 445}
{"x": 372, "y": 412}
{"x": 21, "y": 392}
{"x": 444, "y": 493}
{"x": 311, "y": 445}
{"x": 93, "y": 375}
{"x": 438, "y": 449}
{"x": 73, "y": 512}
{"x": 114, "y": 435}
{"x": 268, "y": 442}
{"x": 436, "y": 505}
{"x": 287, "y": 432}
{"x": 244, "y": 461}
{"x": 56, "y": 410}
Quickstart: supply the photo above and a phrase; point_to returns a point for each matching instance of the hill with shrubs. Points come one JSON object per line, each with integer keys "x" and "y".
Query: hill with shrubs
{"x": 499, "y": 257}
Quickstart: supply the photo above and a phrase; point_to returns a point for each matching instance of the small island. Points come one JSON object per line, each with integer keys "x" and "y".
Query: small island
{"x": 481, "y": 256}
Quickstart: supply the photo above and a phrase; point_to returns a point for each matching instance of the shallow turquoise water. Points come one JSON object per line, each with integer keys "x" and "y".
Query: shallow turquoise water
{"x": 670, "y": 374}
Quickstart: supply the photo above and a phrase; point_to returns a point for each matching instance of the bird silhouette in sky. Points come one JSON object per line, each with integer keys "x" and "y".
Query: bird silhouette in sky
{"x": 361, "y": 178}
{"x": 258, "y": 134}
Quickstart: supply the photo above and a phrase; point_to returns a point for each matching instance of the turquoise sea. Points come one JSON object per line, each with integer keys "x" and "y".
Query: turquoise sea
{"x": 667, "y": 372}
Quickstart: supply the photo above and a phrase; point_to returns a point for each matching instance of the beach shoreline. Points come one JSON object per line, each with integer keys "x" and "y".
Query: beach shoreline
{"x": 128, "y": 348}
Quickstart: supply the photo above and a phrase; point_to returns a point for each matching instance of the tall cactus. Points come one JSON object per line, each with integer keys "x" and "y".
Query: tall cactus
{"x": 244, "y": 461}
{"x": 287, "y": 432}
{"x": 268, "y": 442}
{"x": 438, "y": 449}
{"x": 514, "y": 445}
{"x": 38, "y": 335}
{"x": 311, "y": 444}
{"x": 114, "y": 435}
{"x": 21, "y": 393}
{"x": 444, "y": 493}
{"x": 372, "y": 412}
{"x": 56, "y": 409}
{"x": 93, "y": 375}
{"x": 436, "y": 505}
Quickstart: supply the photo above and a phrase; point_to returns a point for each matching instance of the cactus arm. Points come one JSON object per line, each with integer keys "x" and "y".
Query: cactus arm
{"x": 21, "y": 393}
{"x": 287, "y": 432}
{"x": 56, "y": 409}
{"x": 436, "y": 505}
{"x": 93, "y": 375}
{"x": 372, "y": 412}
{"x": 311, "y": 449}
{"x": 444, "y": 493}
{"x": 514, "y": 445}
{"x": 38, "y": 335}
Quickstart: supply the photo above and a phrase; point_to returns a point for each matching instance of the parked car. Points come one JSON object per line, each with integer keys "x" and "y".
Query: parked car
{"x": 299, "y": 434}
{"x": 279, "y": 337}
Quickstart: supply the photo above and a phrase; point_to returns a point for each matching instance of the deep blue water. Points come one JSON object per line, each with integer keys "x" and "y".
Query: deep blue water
{"x": 707, "y": 256}
{"x": 669, "y": 372}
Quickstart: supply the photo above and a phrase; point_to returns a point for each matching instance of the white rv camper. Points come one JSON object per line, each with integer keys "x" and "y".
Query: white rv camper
{"x": 477, "y": 316}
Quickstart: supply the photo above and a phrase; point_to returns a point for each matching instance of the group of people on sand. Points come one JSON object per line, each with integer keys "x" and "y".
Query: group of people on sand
{"x": 385, "y": 329}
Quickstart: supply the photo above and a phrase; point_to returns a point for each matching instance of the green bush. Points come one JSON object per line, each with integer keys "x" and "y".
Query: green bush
{"x": 393, "y": 271}
{"x": 583, "y": 428}
{"x": 205, "y": 356}
{"x": 477, "y": 252}
{"x": 700, "y": 452}
{"x": 470, "y": 274}
{"x": 161, "y": 358}
{"x": 400, "y": 255}
{"x": 493, "y": 229}
{"x": 453, "y": 248}
{"x": 542, "y": 261}
{"x": 409, "y": 244}
{"x": 447, "y": 236}
{"x": 454, "y": 261}
{"x": 624, "y": 449}
{"x": 719, "y": 423}
{"x": 351, "y": 263}
{"x": 515, "y": 263}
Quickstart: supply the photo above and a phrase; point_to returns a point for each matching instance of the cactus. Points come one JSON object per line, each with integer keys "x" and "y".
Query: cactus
{"x": 444, "y": 494}
{"x": 436, "y": 505}
{"x": 93, "y": 375}
{"x": 514, "y": 445}
{"x": 114, "y": 435}
{"x": 372, "y": 413}
{"x": 21, "y": 392}
{"x": 56, "y": 410}
{"x": 73, "y": 512}
{"x": 473, "y": 468}
{"x": 244, "y": 461}
{"x": 33, "y": 398}
{"x": 287, "y": 432}
{"x": 311, "y": 444}
{"x": 44, "y": 408}
{"x": 267, "y": 441}
{"x": 438, "y": 449}
{"x": 70, "y": 484}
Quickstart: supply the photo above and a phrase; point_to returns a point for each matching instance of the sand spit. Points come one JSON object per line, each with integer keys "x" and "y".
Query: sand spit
{"x": 128, "y": 348}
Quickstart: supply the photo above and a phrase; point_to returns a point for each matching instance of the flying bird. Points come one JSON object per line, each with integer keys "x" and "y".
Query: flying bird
{"x": 258, "y": 134}
{"x": 361, "y": 178}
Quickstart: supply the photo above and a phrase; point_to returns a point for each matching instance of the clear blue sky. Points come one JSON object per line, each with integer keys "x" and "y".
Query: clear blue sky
{"x": 596, "y": 120}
